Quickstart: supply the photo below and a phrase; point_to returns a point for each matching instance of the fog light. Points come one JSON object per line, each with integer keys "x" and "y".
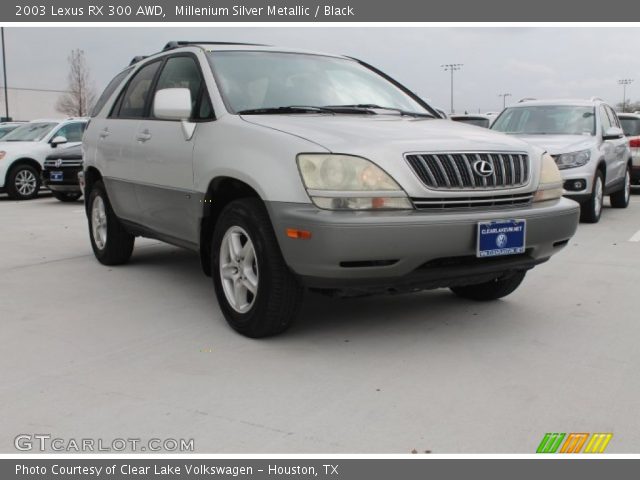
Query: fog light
{"x": 575, "y": 185}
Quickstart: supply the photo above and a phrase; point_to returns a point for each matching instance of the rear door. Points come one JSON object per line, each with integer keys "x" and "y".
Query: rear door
{"x": 165, "y": 186}
{"x": 115, "y": 151}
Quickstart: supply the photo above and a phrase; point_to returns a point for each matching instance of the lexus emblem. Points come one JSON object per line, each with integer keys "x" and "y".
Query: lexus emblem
{"x": 59, "y": 163}
{"x": 483, "y": 168}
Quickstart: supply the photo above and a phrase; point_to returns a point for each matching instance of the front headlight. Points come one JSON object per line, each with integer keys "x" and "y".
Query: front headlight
{"x": 345, "y": 182}
{"x": 573, "y": 159}
{"x": 550, "y": 186}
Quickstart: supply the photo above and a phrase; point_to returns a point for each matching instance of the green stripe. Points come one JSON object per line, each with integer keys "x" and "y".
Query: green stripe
{"x": 550, "y": 442}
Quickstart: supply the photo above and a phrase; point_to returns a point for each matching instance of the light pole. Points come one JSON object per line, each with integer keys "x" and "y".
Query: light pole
{"x": 624, "y": 82}
{"x": 4, "y": 72}
{"x": 504, "y": 99}
{"x": 452, "y": 67}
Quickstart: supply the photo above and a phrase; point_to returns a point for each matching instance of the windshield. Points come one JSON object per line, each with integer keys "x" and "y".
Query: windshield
{"x": 6, "y": 129}
{"x": 271, "y": 80}
{"x": 547, "y": 120}
{"x": 29, "y": 132}
{"x": 631, "y": 126}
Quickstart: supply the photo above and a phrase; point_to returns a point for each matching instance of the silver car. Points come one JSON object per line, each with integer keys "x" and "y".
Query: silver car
{"x": 286, "y": 169}
{"x": 586, "y": 140}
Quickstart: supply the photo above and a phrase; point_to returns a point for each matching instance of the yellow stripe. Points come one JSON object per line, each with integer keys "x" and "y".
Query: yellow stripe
{"x": 607, "y": 439}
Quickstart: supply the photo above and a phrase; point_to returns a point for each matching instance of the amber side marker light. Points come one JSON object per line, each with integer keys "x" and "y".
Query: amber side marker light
{"x": 300, "y": 234}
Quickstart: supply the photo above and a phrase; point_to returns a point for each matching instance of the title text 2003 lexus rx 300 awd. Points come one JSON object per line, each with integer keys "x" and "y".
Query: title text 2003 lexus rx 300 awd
{"x": 286, "y": 169}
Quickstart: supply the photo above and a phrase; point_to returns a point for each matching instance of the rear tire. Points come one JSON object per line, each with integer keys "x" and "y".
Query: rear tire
{"x": 620, "y": 199}
{"x": 591, "y": 209}
{"x": 111, "y": 243}
{"x": 256, "y": 291}
{"x": 23, "y": 182}
{"x": 497, "y": 288}
{"x": 66, "y": 196}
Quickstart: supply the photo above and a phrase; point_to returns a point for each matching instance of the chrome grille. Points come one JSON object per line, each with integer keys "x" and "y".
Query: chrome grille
{"x": 465, "y": 203}
{"x": 456, "y": 171}
{"x": 65, "y": 163}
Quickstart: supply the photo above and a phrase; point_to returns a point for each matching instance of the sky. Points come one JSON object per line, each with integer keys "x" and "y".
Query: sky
{"x": 575, "y": 62}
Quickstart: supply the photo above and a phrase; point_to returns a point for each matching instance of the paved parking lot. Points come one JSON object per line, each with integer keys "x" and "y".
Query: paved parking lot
{"x": 143, "y": 351}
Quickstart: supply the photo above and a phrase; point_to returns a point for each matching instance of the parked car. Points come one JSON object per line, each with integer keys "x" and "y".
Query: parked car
{"x": 6, "y": 127}
{"x": 60, "y": 173}
{"x": 478, "y": 120}
{"x": 631, "y": 127}
{"x": 23, "y": 151}
{"x": 286, "y": 169}
{"x": 585, "y": 139}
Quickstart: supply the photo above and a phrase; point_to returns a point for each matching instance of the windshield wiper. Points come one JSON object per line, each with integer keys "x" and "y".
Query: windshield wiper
{"x": 284, "y": 110}
{"x": 371, "y": 107}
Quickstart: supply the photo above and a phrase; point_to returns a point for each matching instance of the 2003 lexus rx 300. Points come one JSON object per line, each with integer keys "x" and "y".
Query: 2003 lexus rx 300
{"x": 286, "y": 169}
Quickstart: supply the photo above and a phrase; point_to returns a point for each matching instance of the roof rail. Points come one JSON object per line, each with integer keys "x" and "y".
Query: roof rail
{"x": 526, "y": 99}
{"x": 183, "y": 43}
{"x": 137, "y": 59}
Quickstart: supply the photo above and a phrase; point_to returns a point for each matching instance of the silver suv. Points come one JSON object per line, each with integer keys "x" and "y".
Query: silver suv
{"x": 586, "y": 140}
{"x": 286, "y": 169}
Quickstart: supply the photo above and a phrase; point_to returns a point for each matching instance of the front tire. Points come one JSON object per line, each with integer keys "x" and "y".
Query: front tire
{"x": 620, "y": 199}
{"x": 493, "y": 290}
{"x": 23, "y": 182}
{"x": 591, "y": 210}
{"x": 111, "y": 243}
{"x": 256, "y": 291}
{"x": 67, "y": 196}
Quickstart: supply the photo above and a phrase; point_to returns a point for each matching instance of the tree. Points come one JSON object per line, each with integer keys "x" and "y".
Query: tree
{"x": 628, "y": 107}
{"x": 80, "y": 95}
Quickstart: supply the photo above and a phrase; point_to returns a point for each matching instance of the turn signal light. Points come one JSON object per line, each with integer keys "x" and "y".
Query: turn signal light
{"x": 300, "y": 234}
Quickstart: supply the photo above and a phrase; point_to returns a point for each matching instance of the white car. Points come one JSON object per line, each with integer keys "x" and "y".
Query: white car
{"x": 23, "y": 151}
{"x": 631, "y": 126}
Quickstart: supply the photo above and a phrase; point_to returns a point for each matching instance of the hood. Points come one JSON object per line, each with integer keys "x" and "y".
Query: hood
{"x": 557, "y": 144}
{"x": 360, "y": 134}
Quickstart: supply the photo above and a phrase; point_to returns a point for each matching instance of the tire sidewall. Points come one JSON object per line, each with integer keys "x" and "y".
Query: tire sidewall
{"x": 592, "y": 202}
{"x": 98, "y": 191}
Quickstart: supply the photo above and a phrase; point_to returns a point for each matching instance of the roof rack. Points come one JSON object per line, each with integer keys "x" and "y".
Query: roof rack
{"x": 526, "y": 99}
{"x": 182, "y": 43}
{"x": 137, "y": 59}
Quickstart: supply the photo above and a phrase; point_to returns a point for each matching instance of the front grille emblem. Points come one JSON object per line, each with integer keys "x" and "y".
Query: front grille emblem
{"x": 483, "y": 168}
{"x": 59, "y": 163}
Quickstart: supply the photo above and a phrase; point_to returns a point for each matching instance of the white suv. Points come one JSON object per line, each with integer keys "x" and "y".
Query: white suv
{"x": 286, "y": 169}
{"x": 23, "y": 151}
{"x": 586, "y": 140}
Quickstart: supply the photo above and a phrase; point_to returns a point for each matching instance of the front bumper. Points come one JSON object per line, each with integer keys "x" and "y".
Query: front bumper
{"x": 369, "y": 249}
{"x": 69, "y": 182}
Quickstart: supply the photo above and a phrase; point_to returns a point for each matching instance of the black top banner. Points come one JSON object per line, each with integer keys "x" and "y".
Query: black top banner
{"x": 318, "y": 11}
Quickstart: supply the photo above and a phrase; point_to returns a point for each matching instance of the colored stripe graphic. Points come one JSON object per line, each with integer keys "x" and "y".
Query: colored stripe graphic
{"x": 550, "y": 443}
{"x": 574, "y": 443}
{"x": 598, "y": 442}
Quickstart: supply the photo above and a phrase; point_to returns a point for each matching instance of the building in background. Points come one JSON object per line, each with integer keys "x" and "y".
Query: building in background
{"x": 29, "y": 104}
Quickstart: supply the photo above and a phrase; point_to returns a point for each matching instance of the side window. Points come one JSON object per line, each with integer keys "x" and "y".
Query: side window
{"x": 182, "y": 72}
{"x": 72, "y": 131}
{"x": 111, "y": 88}
{"x": 133, "y": 102}
{"x": 604, "y": 119}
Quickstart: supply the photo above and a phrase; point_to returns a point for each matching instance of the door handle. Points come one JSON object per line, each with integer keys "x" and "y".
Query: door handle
{"x": 105, "y": 133}
{"x": 144, "y": 136}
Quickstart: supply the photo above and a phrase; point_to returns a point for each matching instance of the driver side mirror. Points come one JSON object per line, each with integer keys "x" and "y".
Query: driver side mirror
{"x": 613, "y": 133}
{"x": 172, "y": 104}
{"x": 58, "y": 141}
